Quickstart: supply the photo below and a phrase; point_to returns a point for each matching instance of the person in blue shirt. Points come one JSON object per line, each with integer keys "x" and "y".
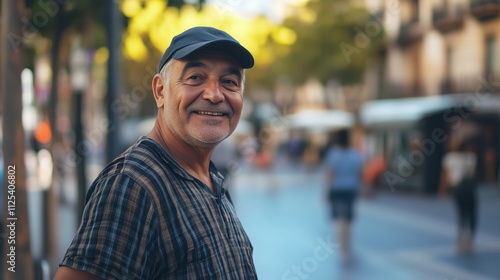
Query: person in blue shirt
{"x": 343, "y": 166}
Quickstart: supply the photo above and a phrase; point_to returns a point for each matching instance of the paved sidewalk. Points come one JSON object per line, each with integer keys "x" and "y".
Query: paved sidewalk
{"x": 396, "y": 235}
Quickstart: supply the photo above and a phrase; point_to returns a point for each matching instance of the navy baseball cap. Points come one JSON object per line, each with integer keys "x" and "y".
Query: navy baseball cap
{"x": 202, "y": 37}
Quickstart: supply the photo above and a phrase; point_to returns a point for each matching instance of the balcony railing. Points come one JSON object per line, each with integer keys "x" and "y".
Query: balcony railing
{"x": 469, "y": 85}
{"x": 464, "y": 84}
{"x": 446, "y": 21}
{"x": 485, "y": 9}
{"x": 409, "y": 33}
{"x": 399, "y": 90}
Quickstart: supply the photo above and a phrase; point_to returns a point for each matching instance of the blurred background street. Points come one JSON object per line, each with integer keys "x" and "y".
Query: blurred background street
{"x": 397, "y": 235}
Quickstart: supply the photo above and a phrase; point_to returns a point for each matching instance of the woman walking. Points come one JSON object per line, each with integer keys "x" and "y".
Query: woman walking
{"x": 458, "y": 175}
{"x": 344, "y": 167}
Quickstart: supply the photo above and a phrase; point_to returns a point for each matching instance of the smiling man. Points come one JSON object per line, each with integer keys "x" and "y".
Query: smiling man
{"x": 159, "y": 211}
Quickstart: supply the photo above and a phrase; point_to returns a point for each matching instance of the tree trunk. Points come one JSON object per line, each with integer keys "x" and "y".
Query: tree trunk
{"x": 113, "y": 28}
{"x": 16, "y": 254}
{"x": 50, "y": 198}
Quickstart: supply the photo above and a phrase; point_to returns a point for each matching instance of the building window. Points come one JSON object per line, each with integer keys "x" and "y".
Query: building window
{"x": 415, "y": 15}
{"x": 490, "y": 55}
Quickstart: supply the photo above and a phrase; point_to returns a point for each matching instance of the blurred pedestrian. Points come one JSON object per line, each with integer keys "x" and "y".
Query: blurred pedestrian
{"x": 159, "y": 210}
{"x": 458, "y": 175}
{"x": 311, "y": 155}
{"x": 295, "y": 147}
{"x": 225, "y": 158}
{"x": 373, "y": 174}
{"x": 344, "y": 167}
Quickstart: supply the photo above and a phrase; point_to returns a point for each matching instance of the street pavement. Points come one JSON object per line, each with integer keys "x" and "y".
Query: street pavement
{"x": 396, "y": 235}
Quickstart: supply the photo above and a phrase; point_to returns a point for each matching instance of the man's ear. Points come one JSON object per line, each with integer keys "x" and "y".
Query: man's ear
{"x": 159, "y": 87}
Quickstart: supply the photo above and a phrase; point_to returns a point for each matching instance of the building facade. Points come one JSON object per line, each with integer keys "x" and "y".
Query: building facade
{"x": 436, "y": 47}
{"x": 440, "y": 70}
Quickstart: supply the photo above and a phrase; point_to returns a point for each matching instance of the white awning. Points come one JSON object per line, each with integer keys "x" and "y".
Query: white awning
{"x": 320, "y": 120}
{"x": 406, "y": 111}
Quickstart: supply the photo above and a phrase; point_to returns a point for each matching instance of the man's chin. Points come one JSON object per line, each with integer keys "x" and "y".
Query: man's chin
{"x": 211, "y": 136}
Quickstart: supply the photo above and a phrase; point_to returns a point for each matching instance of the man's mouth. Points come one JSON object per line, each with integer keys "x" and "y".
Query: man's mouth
{"x": 208, "y": 113}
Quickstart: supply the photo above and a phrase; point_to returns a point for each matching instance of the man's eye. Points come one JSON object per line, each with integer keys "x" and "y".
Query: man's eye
{"x": 230, "y": 82}
{"x": 194, "y": 77}
{"x": 194, "y": 80}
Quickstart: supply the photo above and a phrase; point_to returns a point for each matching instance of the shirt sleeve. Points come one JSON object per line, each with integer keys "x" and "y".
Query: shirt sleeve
{"x": 117, "y": 233}
{"x": 472, "y": 158}
{"x": 329, "y": 158}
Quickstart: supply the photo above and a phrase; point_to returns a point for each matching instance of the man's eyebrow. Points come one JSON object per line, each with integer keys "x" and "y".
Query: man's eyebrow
{"x": 234, "y": 71}
{"x": 194, "y": 64}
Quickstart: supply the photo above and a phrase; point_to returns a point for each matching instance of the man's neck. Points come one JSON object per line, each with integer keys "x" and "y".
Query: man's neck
{"x": 195, "y": 161}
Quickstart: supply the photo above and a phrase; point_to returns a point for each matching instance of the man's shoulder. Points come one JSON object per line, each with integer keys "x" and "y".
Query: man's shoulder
{"x": 142, "y": 161}
{"x": 142, "y": 166}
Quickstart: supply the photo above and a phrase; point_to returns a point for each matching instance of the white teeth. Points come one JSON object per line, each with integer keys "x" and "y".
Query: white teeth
{"x": 209, "y": 113}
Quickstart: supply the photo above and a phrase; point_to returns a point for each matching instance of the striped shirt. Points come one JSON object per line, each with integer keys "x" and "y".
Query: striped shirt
{"x": 147, "y": 218}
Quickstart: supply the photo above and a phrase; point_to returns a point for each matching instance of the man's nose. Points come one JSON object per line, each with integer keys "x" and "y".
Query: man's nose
{"x": 213, "y": 91}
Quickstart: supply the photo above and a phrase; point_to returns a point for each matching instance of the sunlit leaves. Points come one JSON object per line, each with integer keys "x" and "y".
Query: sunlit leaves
{"x": 135, "y": 48}
{"x": 130, "y": 7}
{"x": 156, "y": 24}
{"x": 101, "y": 55}
{"x": 284, "y": 36}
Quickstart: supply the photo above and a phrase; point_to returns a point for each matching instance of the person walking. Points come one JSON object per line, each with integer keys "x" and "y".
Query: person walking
{"x": 343, "y": 167}
{"x": 225, "y": 158}
{"x": 458, "y": 175}
{"x": 159, "y": 210}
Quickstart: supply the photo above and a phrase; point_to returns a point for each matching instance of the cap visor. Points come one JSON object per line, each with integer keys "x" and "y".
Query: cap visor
{"x": 235, "y": 50}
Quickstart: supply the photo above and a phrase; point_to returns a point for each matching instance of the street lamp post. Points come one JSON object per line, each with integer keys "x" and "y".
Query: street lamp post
{"x": 79, "y": 80}
{"x": 113, "y": 30}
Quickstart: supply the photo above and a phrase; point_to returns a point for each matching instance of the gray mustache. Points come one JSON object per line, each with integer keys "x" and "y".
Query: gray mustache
{"x": 211, "y": 107}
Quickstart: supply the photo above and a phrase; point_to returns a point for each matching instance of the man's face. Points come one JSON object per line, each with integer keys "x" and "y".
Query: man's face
{"x": 204, "y": 99}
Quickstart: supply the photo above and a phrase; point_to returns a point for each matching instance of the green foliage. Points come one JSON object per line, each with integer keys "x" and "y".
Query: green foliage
{"x": 180, "y": 3}
{"x": 48, "y": 17}
{"x": 336, "y": 45}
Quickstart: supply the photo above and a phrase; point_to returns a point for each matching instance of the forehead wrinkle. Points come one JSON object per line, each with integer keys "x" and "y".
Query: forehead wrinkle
{"x": 193, "y": 64}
